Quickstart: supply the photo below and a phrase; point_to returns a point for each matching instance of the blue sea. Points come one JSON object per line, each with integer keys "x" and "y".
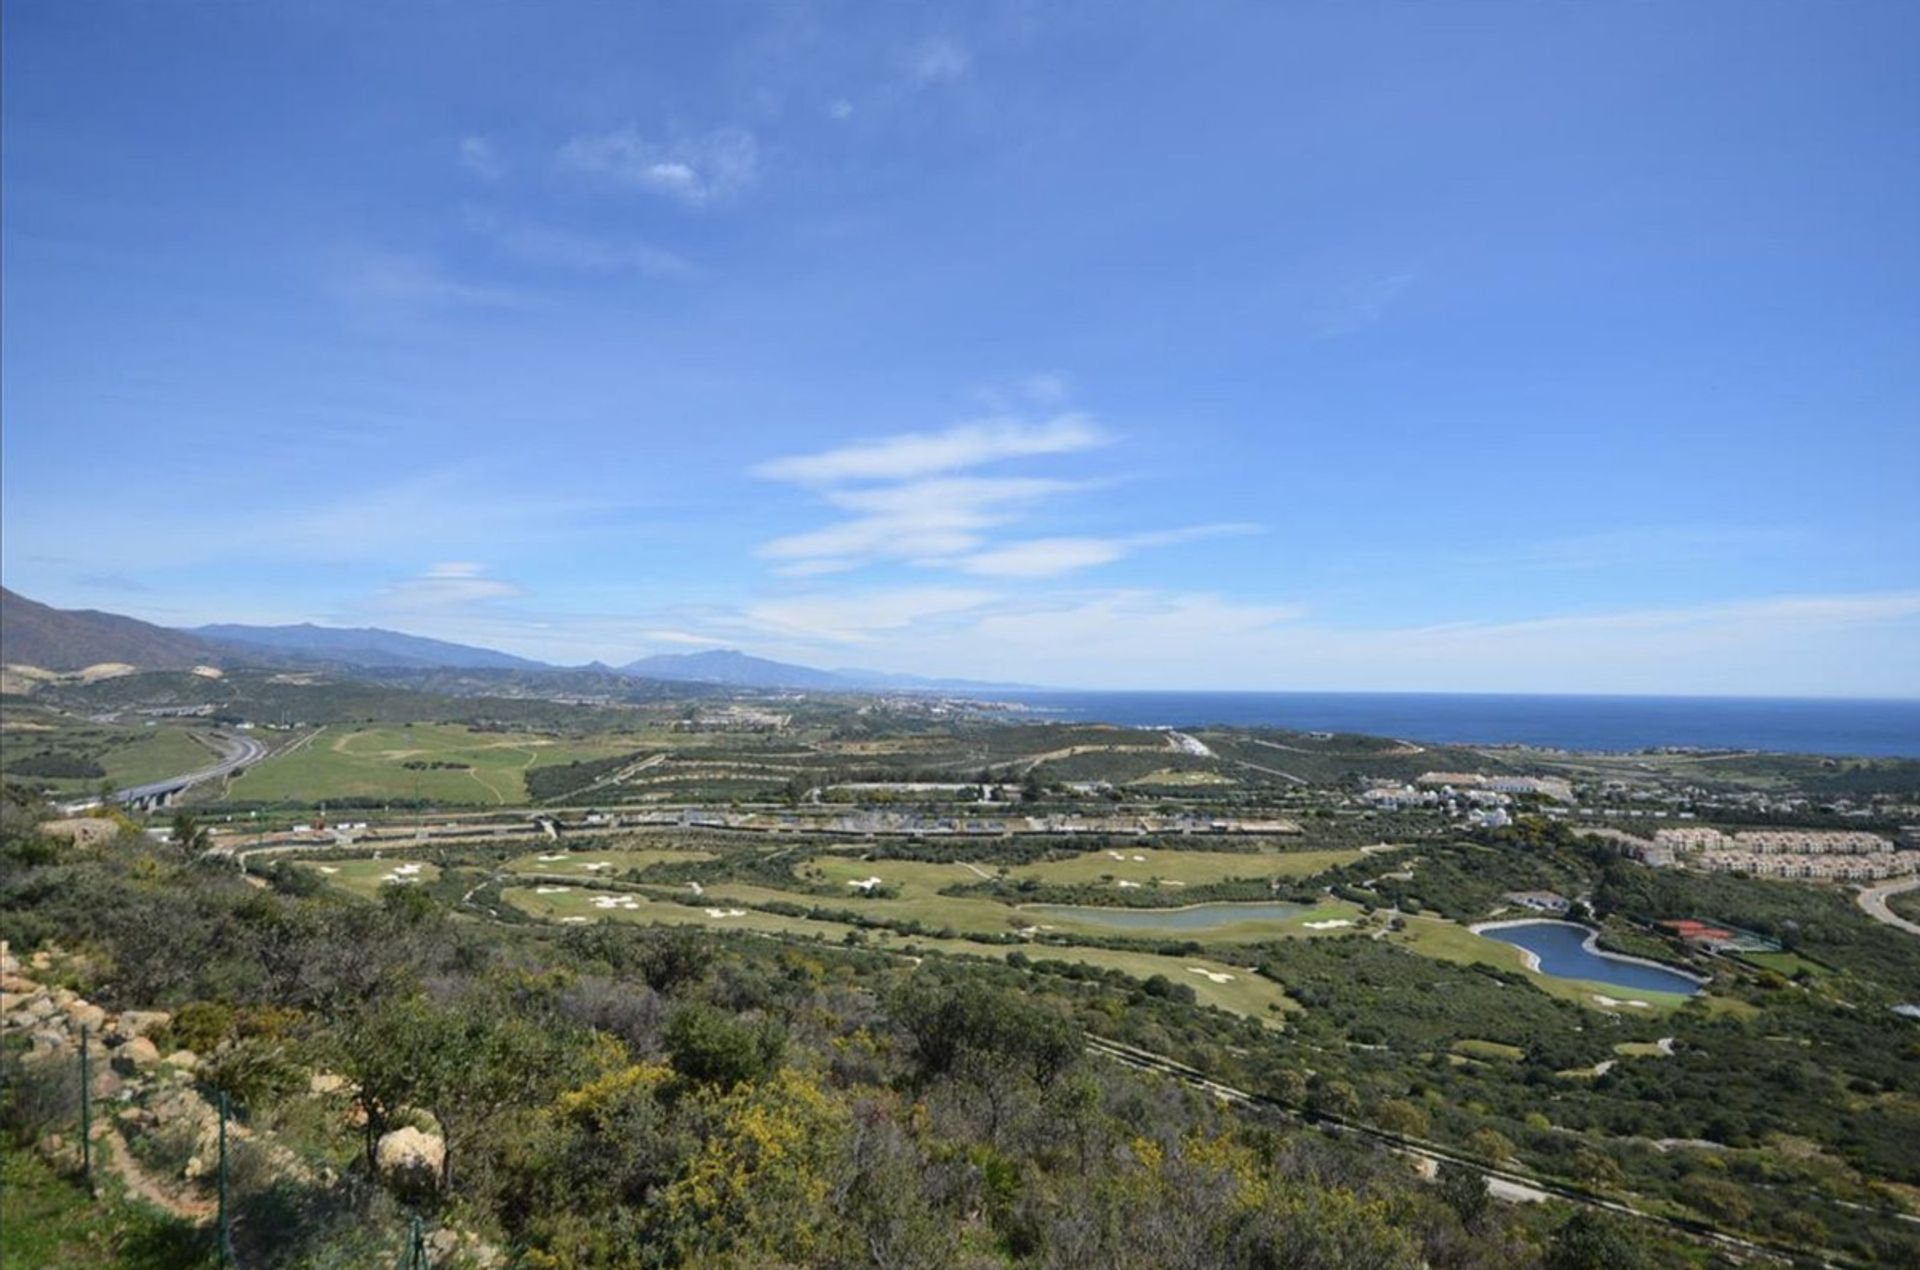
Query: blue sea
{"x": 1779, "y": 724}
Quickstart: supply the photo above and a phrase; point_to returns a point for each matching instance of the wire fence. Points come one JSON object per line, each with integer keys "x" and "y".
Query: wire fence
{"x": 256, "y": 1191}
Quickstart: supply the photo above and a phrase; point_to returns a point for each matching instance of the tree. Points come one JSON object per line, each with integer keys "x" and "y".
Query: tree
{"x": 1464, "y": 1191}
{"x": 709, "y": 1048}
{"x": 189, "y": 834}
{"x": 1593, "y": 1240}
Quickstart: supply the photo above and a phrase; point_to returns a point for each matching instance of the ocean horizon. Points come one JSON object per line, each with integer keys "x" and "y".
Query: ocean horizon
{"x": 1839, "y": 727}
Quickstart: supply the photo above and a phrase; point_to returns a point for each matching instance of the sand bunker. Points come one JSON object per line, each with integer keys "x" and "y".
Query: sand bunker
{"x": 549, "y": 859}
{"x": 1611, "y": 1001}
{"x": 1131, "y": 886}
{"x": 865, "y": 884}
{"x": 1217, "y": 976}
{"x": 1333, "y": 923}
{"x": 627, "y": 902}
{"x": 551, "y": 890}
{"x": 725, "y": 912}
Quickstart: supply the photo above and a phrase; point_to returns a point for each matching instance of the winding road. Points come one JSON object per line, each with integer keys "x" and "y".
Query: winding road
{"x": 1874, "y": 901}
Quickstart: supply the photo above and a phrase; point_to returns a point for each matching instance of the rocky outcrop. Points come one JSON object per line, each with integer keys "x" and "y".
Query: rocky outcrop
{"x": 409, "y": 1161}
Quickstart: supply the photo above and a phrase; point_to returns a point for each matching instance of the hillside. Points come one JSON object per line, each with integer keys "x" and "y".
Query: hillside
{"x": 35, "y": 634}
{"x": 367, "y": 646}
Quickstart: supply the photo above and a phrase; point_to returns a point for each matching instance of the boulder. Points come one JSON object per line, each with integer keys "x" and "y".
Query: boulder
{"x": 135, "y": 1023}
{"x": 409, "y": 1161}
{"x": 86, "y": 1014}
{"x": 321, "y": 1083}
{"x": 185, "y": 1060}
{"x": 135, "y": 1054}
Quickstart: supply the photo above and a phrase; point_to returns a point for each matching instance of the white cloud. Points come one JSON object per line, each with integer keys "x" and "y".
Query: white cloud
{"x": 840, "y": 110}
{"x": 477, "y": 156}
{"x": 913, "y": 454}
{"x": 695, "y": 170}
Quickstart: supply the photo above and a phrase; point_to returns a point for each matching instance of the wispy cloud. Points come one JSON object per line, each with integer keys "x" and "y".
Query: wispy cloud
{"x": 398, "y": 289}
{"x": 695, "y": 170}
{"x": 864, "y": 616}
{"x": 448, "y": 585}
{"x": 1052, "y": 557}
{"x": 581, "y": 253}
{"x": 478, "y": 156}
{"x": 1362, "y": 304}
{"x": 915, "y": 454}
{"x": 938, "y": 61}
{"x": 915, "y": 520}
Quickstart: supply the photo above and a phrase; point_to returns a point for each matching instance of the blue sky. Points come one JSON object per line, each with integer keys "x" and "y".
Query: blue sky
{"x": 1541, "y": 347}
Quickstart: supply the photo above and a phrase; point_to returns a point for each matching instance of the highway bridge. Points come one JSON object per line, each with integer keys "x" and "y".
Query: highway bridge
{"x": 237, "y": 750}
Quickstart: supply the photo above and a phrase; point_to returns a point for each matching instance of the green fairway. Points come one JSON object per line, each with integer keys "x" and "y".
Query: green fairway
{"x": 611, "y": 863}
{"x": 366, "y": 877}
{"x": 1148, "y": 867}
{"x": 1232, "y": 988}
{"x": 454, "y": 765}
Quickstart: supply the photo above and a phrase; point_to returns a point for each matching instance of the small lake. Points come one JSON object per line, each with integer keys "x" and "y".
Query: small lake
{"x": 1196, "y": 917}
{"x": 1563, "y": 953}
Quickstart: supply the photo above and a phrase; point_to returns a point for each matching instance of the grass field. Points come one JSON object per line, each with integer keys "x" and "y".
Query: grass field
{"x": 48, "y": 1220}
{"x": 366, "y": 877}
{"x": 342, "y": 762}
{"x": 1215, "y": 983}
{"x": 1783, "y": 963}
{"x": 1494, "y": 1050}
{"x": 129, "y": 756}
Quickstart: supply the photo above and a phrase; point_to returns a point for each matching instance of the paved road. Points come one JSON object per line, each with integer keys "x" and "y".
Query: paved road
{"x": 1874, "y": 901}
{"x": 237, "y": 751}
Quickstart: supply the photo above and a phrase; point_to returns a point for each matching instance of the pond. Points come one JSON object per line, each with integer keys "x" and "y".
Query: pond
{"x": 1564, "y": 950}
{"x": 1194, "y": 917}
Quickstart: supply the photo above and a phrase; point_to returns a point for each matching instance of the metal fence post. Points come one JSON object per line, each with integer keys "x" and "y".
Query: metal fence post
{"x": 226, "y": 1234}
{"x": 86, "y": 1111}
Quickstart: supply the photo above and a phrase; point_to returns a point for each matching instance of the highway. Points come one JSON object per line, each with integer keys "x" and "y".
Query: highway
{"x": 1874, "y": 901}
{"x": 238, "y": 750}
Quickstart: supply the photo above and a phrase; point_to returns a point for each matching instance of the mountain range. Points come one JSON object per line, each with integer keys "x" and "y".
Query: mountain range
{"x": 367, "y": 646}
{"x": 35, "y": 634}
